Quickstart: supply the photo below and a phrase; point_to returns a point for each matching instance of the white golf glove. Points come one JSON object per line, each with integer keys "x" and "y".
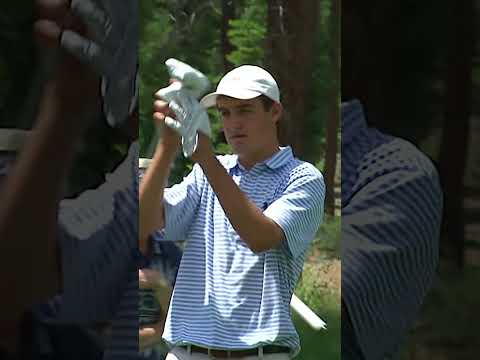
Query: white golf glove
{"x": 182, "y": 96}
{"x": 112, "y": 51}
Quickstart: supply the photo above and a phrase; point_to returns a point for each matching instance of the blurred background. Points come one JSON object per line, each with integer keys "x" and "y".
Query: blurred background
{"x": 299, "y": 43}
{"x": 416, "y": 68}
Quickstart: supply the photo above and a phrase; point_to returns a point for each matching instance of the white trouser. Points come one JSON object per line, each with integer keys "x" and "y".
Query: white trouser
{"x": 180, "y": 353}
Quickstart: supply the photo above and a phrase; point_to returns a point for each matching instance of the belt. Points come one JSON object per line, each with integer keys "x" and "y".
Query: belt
{"x": 226, "y": 354}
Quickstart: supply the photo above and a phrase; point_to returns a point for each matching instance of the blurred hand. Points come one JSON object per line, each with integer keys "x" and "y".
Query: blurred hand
{"x": 73, "y": 79}
{"x": 150, "y": 335}
{"x": 104, "y": 37}
{"x": 151, "y": 279}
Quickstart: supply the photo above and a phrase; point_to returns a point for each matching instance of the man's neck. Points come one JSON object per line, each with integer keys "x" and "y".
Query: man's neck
{"x": 249, "y": 161}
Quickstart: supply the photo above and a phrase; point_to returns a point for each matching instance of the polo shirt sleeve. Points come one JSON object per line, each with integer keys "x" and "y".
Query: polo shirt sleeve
{"x": 180, "y": 203}
{"x": 98, "y": 235}
{"x": 299, "y": 210}
{"x": 390, "y": 232}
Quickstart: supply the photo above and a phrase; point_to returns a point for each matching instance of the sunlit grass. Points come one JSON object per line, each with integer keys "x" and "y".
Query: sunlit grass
{"x": 319, "y": 288}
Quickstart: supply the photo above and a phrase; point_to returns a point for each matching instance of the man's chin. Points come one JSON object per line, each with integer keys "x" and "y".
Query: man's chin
{"x": 238, "y": 150}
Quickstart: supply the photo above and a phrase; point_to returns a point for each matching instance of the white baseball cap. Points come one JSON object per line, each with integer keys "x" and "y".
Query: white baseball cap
{"x": 244, "y": 82}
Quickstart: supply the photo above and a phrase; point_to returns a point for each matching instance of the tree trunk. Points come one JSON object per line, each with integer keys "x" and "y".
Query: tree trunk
{"x": 228, "y": 13}
{"x": 456, "y": 126}
{"x": 291, "y": 27}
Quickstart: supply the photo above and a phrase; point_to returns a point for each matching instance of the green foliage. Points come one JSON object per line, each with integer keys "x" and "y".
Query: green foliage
{"x": 319, "y": 288}
{"x": 247, "y": 34}
{"x": 155, "y": 29}
{"x": 323, "y": 81}
{"x": 191, "y": 32}
{"x": 320, "y": 165}
{"x": 323, "y": 297}
{"x": 328, "y": 239}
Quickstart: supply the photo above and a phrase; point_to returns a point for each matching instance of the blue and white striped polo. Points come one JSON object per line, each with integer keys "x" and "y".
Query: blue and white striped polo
{"x": 98, "y": 234}
{"x": 100, "y": 256}
{"x": 391, "y": 215}
{"x": 226, "y": 296}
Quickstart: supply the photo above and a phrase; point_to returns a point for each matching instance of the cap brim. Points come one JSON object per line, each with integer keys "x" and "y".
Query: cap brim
{"x": 210, "y": 100}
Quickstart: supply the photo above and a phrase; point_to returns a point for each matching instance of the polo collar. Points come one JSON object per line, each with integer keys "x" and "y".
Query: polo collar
{"x": 277, "y": 160}
{"x": 353, "y": 120}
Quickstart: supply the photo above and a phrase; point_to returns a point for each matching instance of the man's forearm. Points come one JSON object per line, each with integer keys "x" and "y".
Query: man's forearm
{"x": 259, "y": 232}
{"x": 151, "y": 191}
{"x": 29, "y": 203}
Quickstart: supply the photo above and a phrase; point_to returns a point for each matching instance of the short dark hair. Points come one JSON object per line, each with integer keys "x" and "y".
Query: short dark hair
{"x": 267, "y": 102}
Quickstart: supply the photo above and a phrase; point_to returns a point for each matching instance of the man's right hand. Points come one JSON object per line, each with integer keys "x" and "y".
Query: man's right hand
{"x": 152, "y": 186}
{"x": 103, "y": 38}
{"x": 160, "y": 111}
{"x": 152, "y": 213}
{"x": 73, "y": 78}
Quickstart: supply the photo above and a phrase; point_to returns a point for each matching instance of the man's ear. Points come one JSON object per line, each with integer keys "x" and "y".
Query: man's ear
{"x": 277, "y": 111}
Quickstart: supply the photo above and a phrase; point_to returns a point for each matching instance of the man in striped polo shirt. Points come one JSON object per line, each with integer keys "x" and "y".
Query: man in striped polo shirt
{"x": 391, "y": 216}
{"x": 248, "y": 219}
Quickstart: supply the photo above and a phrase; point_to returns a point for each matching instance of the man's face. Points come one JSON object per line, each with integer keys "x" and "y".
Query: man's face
{"x": 249, "y": 127}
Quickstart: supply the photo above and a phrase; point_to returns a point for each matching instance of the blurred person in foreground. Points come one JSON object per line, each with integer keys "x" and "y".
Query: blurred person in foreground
{"x": 391, "y": 202}
{"x": 96, "y": 271}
